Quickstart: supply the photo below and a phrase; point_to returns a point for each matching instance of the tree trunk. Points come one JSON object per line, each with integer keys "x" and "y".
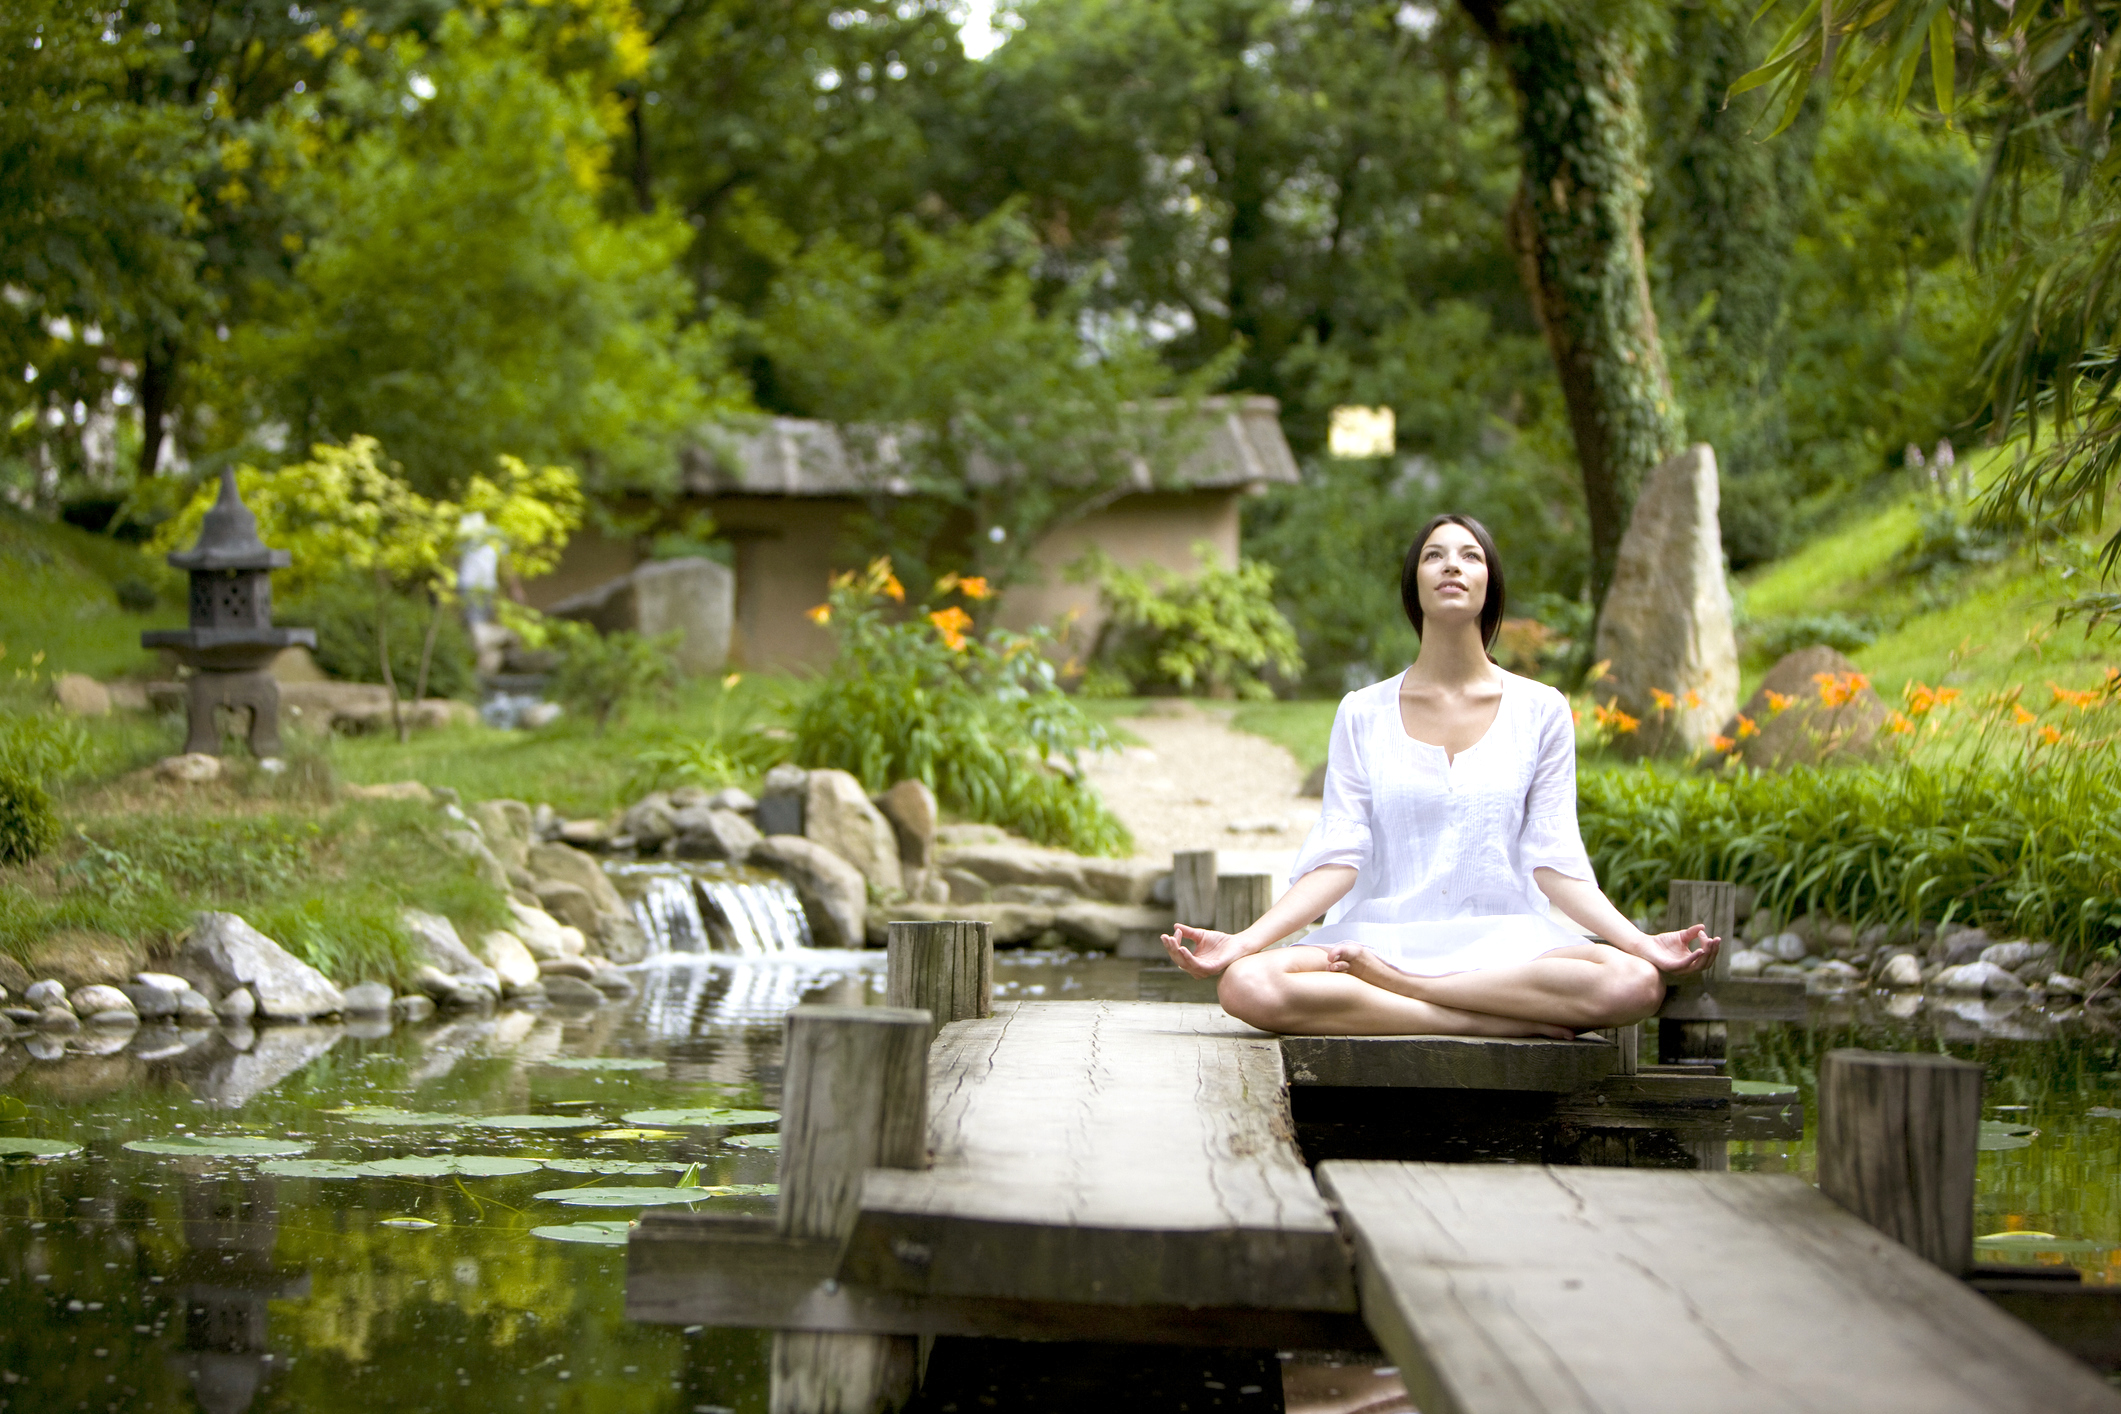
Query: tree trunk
{"x": 1577, "y": 225}
{"x": 427, "y": 649}
{"x": 158, "y": 385}
{"x": 390, "y": 682}
{"x": 641, "y": 175}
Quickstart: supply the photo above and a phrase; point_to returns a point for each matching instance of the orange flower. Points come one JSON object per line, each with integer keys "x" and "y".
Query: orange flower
{"x": 1623, "y": 723}
{"x": 951, "y": 623}
{"x": 1778, "y": 703}
{"x": 2050, "y": 735}
{"x": 1899, "y": 724}
{"x": 1723, "y": 744}
{"x": 1920, "y": 698}
{"x": 2022, "y": 717}
{"x": 893, "y": 588}
{"x": 974, "y": 586}
{"x": 1835, "y": 689}
{"x": 1693, "y": 701}
{"x": 1663, "y": 699}
{"x": 2082, "y": 701}
{"x": 821, "y": 615}
{"x": 1747, "y": 727}
{"x": 1613, "y": 719}
{"x": 1576, "y": 715}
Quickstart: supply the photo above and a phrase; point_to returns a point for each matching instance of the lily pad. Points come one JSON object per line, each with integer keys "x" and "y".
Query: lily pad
{"x": 396, "y": 1118}
{"x": 2104, "y": 1112}
{"x": 635, "y": 1134}
{"x": 36, "y": 1148}
{"x": 408, "y": 1224}
{"x": 1763, "y": 1087}
{"x": 604, "y": 1234}
{"x": 2041, "y": 1242}
{"x": 2004, "y": 1134}
{"x": 534, "y": 1121}
{"x": 605, "y": 1063}
{"x": 609, "y": 1166}
{"x": 756, "y": 1141}
{"x": 452, "y": 1165}
{"x": 232, "y": 1146}
{"x": 630, "y": 1196}
{"x": 314, "y": 1168}
{"x": 12, "y": 1108}
{"x": 704, "y": 1117}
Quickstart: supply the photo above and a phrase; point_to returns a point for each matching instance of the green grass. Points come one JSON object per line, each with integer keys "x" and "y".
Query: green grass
{"x": 1302, "y": 726}
{"x": 61, "y": 601}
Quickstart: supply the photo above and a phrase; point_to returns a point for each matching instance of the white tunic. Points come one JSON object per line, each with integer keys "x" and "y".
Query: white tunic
{"x": 1444, "y": 850}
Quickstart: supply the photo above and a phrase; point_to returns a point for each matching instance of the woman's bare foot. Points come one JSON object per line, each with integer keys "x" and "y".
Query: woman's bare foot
{"x": 1364, "y": 965}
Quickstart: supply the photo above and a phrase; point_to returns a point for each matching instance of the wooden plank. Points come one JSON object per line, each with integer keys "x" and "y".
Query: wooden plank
{"x": 738, "y": 1273}
{"x": 1522, "y": 1290}
{"x": 1448, "y": 1062}
{"x": 1735, "y": 999}
{"x": 1897, "y": 1136}
{"x": 2083, "y": 1320}
{"x": 1675, "y": 1102}
{"x": 1111, "y": 1153}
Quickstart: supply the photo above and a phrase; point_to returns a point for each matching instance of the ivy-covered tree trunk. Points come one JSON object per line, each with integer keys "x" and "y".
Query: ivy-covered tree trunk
{"x": 1577, "y": 223}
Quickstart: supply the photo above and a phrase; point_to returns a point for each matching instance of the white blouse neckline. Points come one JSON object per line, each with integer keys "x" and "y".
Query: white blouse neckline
{"x": 1502, "y": 702}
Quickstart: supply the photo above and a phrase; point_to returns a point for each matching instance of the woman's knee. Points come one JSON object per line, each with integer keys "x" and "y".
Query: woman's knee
{"x": 1255, "y": 992}
{"x": 1631, "y": 990}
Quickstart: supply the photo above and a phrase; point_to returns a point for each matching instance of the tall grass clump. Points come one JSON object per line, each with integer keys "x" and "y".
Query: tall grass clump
{"x": 2010, "y": 818}
{"x": 980, "y": 717}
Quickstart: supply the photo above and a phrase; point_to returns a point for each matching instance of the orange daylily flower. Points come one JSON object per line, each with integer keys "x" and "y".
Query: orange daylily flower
{"x": 1610, "y": 716}
{"x": 1693, "y": 700}
{"x": 1723, "y": 744}
{"x": 1899, "y": 724}
{"x": 821, "y": 615}
{"x": 1663, "y": 699}
{"x": 974, "y": 586}
{"x": 951, "y": 623}
{"x": 2022, "y": 717}
{"x": 2050, "y": 735}
{"x": 2082, "y": 701}
{"x": 1747, "y": 727}
{"x": 893, "y": 588}
{"x": 1779, "y": 702}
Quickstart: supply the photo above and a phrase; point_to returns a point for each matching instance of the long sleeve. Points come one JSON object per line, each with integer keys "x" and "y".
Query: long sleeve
{"x": 1550, "y": 838}
{"x": 1342, "y": 834}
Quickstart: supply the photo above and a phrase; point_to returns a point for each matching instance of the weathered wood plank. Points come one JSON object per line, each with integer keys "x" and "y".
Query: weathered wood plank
{"x": 945, "y": 969}
{"x": 1897, "y": 1136}
{"x": 1735, "y": 999}
{"x": 1654, "y": 1101}
{"x": 1448, "y": 1062}
{"x": 739, "y": 1273}
{"x": 1521, "y": 1290}
{"x": 1111, "y": 1153}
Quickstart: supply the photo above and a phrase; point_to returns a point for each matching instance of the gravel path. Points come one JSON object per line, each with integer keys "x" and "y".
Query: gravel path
{"x": 1199, "y": 784}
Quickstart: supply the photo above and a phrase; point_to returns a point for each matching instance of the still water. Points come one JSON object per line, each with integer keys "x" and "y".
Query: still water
{"x": 135, "y": 1280}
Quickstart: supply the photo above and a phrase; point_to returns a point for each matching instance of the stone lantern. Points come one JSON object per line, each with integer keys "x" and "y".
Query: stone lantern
{"x": 231, "y": 639}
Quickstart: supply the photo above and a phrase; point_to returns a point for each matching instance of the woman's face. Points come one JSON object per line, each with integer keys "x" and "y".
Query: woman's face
{"x": 1452, "y": 575}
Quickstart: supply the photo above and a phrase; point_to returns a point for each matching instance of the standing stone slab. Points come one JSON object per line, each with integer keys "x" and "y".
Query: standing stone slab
{"x": 693, "y": 598}
{"x": 835, "y": 898}
{"x": 1666, "y": 622}
{"x": 911, "y": 809}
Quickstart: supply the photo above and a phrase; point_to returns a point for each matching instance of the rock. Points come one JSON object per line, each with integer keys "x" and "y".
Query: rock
{"x": 99, "y": 996}
{"x": 612, "y": 982}
{"x": 1964, "y": 945}
{"x": 167, "y": 981}
{"x": 113, "y": 1017}
{"x": 57, "y": 1018}
{"x": 1314, "y": 786}
{"x": 49, "y": 992}
{"x": 1125, "y": 880}
{"x": 2061, "y": 984}
{"x": 239, "y": 1006}
{"x": 910, "y": 807}
{"x": 1833, "y": 976}
{"x": 325, "y": 706}
{"x": 1750, "y": 962}
{"x": 583, "y": 834}
{"x": 837, "y": 814}
{"x": 1902, "y": 973}
{"x": 568, "y": 903}
{"x": 1018, "y": 864}
{"x": 567, "y": 967}
{"x": 512, "y": 961}
{"x": 1044, "y": 895}
{"x": 2009, "y": 956}
{"x": 223, "y": 953}
{"x": 228, "y": 1077}
{"x": 1666, "y": 622}
{"x": 436, "y": 942}
{"x": 412, "y": 1007}
{"x": 693, "y": 597}
{"x": 570, "y": 866}
{"x": 530, "y": 994}
{"x": 649, "y": 821}
{"x": 367, "y": 999}
{"x": 1808, "y": 731}
{"x": 571, "y": 991}
{"x": 1978, "y": 979}
{"x": 194, "y": 768}
{"x": 781, "y": 799}
{"x": 541, "y": 932}
{"x": 964, "y": 886}
{"x": 704, "y": 832}
{"x": 730, "y": 798}
{"x": 621, "y": 938}
{"x": 506, "y": 826}
{"x": 484, "y": 862}
{"x": 1783, "y": 947}
{"x": 1010, "y": 924}
{"x": 194, "y": 1008}
{"x": 413, "y": 791}
{"x": 81, "y": 696}
{"x": 152, "y": 1003}
{"x": 1101, "y": 926}
{"x": 540, "y": 714}
{"x": 834, "y": 896}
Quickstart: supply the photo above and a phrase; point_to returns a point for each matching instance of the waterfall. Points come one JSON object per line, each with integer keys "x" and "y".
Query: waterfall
{"x": 763, "y": 915}
{"x": 712, "y": 908}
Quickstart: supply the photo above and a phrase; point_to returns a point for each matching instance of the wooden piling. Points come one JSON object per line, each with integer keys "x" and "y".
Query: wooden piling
{"x": 1708, "y": 901}
{"x": 1240, "y": 899}
{"x": 1193, "y": 887}
{"x": 854, "y": 1097}
{"x": 945, "y": 969}
{"x": 1897, "y": 1136}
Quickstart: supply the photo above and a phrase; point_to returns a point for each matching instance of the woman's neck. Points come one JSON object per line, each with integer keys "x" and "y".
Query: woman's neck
{"x": 1452, "y": 656}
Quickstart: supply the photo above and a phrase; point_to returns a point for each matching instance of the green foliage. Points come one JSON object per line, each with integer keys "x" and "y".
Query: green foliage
{"x": 980, "y": 718}
{"x": 1215, "y": 631}
{"x": 1770, "y": 639}
{"x": 729, "y": 745}
{"x": 602, "y": 675}
{"x": 28, "y": 824}
{"x": 343, "y": 612}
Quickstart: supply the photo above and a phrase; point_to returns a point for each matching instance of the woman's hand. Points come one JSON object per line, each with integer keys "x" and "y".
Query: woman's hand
{"x": 1202, "y": 951}
{"x": 1679, "y": 954}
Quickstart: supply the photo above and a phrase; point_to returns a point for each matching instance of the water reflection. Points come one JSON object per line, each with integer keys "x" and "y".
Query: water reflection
{"x": 695, "y": 994}
{"x": 227, "y": 1278}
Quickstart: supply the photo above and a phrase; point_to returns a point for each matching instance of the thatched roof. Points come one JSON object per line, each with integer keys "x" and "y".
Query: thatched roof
{"x": 1240, "y": 445}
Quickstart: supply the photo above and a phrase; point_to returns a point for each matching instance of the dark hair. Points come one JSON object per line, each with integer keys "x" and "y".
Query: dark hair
{"x": 1409, "y": 585}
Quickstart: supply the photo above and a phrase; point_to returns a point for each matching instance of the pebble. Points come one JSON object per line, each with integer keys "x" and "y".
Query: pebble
{"x": 57, "y": 1018}
{"x": 192, "y": 769}
{"x": 2062, "y": 984}
{"x": 1902, "y": 973}
{"x": 167, "y": 981}
{"x": 91, "y": 999}
{"x": 413, "y": 1007}
{"x": 366, "y": 999}
{"x": 194, "y": 1005}
{"x": 46, "y": 993}
{"x": 1783, "y": 947}
{"x": 238, "y": 1006}
{"x": 116, "y": 1016}
{"x": 572, "y": 991}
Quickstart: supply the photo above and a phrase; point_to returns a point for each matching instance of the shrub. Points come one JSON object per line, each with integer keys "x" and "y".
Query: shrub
{"x": 1214, "y": 633}
{"x": 343, "y": 612}
{"x": 980, "y": 718}
{"x": 28, "y": 824}
{"x": 1770, "y": 639}
{"x": 728, "y": 746}
{"x": 602, "y": 674}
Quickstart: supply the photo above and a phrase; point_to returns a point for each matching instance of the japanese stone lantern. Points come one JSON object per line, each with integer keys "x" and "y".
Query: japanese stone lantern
{"x": 231, "y": 639}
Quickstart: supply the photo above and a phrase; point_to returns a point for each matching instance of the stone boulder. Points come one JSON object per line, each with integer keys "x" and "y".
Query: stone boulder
{"x": 545, "y": 936}
{"x": 509, "y": 959}
{"x": 435, "y": 942}
{"x": 1126, "y": 880}
{"x": 81, "y": 696}
{"x": 193, "y": 768}
{"x": 153, "y": 1003}
{"x": 910, "y": 807}
{"x": 781, "y": 800}
{"x": 1114, "y": 927}
{"x": 1810, "y": 730}
{"x": 1008, "y": 924}
{"x": 693, "y": 598}
{"x": 567, "y": 865}
{"x": 472, "y": 845}
{"x": 222, "y": 954}
{"x": 704, "y": 832}
{"x": 835, "y": 896}
{"x": 368, "y": 999}
{"x": 1983, "y": 979}
{"x": 506, "y": 826}
{"x": 649, "y": 822}
{"x": 1902, "y": 973}
{"x": 621, "y": 938}
{"x": 562, "y": 990}
{"x": 1666, "y": 622}
{"x": 1018, "y": 864}
{"x": 837, "y": 814}
{"x": 570, "y": 903}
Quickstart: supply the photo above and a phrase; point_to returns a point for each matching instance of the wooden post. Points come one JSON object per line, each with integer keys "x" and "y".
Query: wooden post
{"x": 1629, "y": 1040}
{"x": 1240, "y": 899}
{"x": 945, "y": 969}
{"x": 1897, "y": 1136}
{"x": 1193, "y": 887}
{"x": 854, "y": 1097}
{"x": 1691, "y": 901}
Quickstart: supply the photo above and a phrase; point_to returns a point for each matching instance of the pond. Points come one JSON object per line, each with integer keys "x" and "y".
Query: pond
{"x": 183, "y": 1277}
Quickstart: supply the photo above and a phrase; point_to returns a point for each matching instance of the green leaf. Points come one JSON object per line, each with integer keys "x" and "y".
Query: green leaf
{"x": 1763, "y": 1087}
{"x": 755, "y": 1141}
{"x": 1942, "y": 58}
{"x": 389, "y": 1115}
{"x": 453, "y": 1165}
{"x": 631, "y": 1197}
{"x": 535, "y": 1121}
{"x": 36, "y": 1148}
{"x": 230, "y": 1147}
{"x": 2004, "y": 1134}
{"x": 604, "y": 1234}
{"x": 313, "y": 1168}
{"x": 725, "y": 1118}
{"x": 12, "y": 1108}
{"x": 633, "y": 1166}
{"x": 605, "y": 1063}
{"x": 691, "y": 1178}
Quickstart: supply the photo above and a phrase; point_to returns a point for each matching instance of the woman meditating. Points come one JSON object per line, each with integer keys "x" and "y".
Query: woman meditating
{"x": 1449, "y": 823}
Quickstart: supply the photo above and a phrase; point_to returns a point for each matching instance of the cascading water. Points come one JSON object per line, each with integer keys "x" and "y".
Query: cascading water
{"x": 763, "y": 914}
{"x": 703, "y": 908}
